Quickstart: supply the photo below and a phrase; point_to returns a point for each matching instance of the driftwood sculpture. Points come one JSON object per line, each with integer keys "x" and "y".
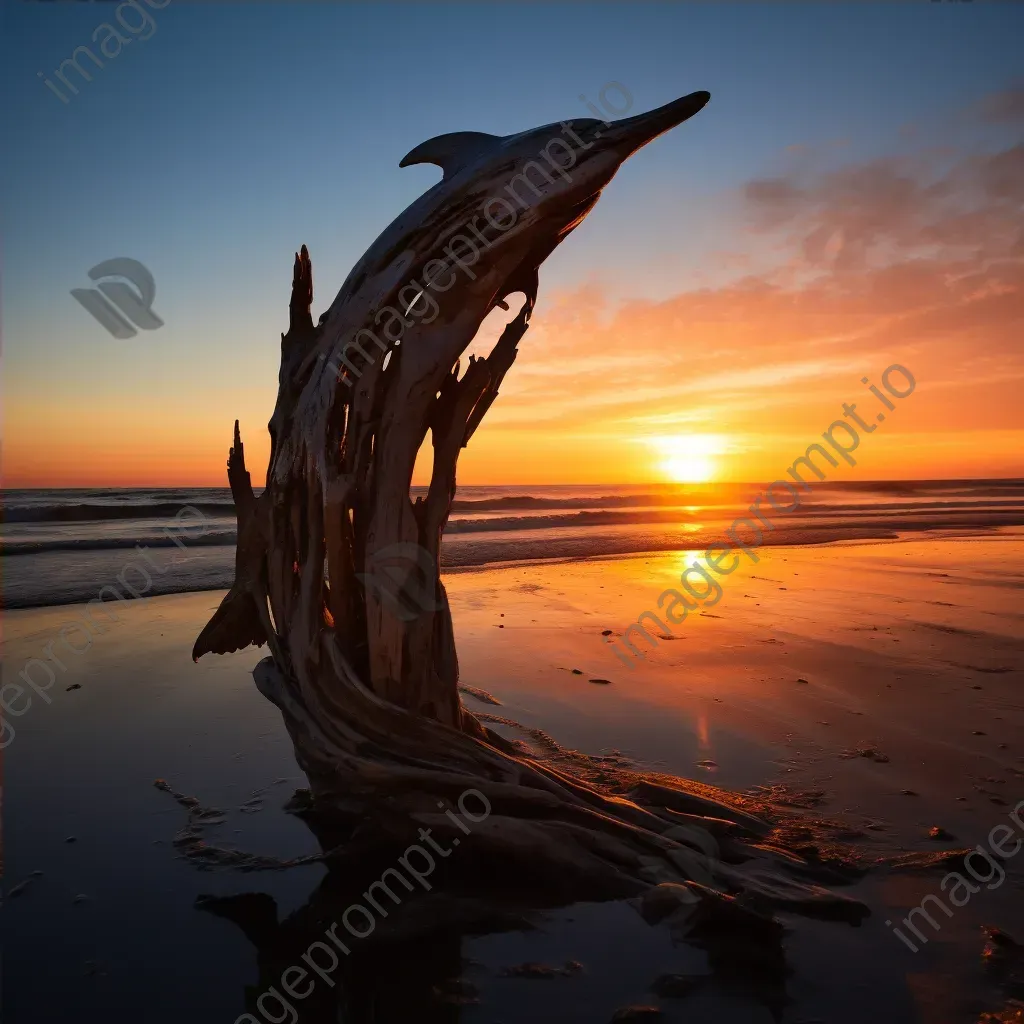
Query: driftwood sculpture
{"x": 368, "y": 691}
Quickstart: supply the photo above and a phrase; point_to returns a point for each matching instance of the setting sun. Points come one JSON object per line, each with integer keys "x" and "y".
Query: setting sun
{"x": 689, "y": 458}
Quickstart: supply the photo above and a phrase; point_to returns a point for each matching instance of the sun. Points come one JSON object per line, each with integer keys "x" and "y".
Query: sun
{"x": 689, "y": 469}
{"x": 688, "y": 458}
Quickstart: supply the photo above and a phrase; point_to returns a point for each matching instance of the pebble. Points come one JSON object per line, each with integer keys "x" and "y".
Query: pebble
{"x": 675, "y": 985}
{"x": 871, "y": 753}
{"x": 535, "y": 970}
{"x": 632, "y": 1014}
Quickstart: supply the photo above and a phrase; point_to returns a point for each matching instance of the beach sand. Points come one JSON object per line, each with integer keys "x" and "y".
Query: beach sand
{"x": 876, "y": 684}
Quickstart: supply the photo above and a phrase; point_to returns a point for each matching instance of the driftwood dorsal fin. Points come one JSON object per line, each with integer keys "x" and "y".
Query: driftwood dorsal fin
{"x": 451, "y": 152}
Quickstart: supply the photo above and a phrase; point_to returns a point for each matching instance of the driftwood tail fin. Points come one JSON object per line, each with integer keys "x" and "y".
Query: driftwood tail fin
{"x": 234, "y": 626}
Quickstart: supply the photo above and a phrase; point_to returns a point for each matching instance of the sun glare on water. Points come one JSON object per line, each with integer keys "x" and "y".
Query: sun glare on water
{"x": 688, "y": 458}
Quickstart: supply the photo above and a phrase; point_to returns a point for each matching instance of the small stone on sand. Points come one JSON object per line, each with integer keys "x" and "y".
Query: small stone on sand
{"x": 456, "y": 992}
{"x": 871, "y": 753}
{"x": 533, "y": 970}
{"x": 674, "y": 985}
{"x": 633, "y": 1014}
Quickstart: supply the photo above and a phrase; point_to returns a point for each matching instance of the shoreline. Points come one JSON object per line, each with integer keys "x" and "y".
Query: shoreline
{"x": 213, "y": 563}
{"x": 872, "y": 687}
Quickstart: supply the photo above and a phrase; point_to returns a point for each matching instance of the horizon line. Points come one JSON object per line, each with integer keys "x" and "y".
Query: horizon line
{"x": 659, "y": 484}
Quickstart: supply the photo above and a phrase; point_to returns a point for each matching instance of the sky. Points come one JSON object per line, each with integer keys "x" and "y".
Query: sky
{"x": 851, "y": 198}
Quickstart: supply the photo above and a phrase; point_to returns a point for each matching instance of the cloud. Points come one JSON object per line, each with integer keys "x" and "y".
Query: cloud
{"x": 891, "y": 209}
{"x": 1006, "y": 107}
{"x": 917, "y": 259}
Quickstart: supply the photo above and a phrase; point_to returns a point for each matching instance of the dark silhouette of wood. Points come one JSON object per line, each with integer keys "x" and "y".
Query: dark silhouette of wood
{"x": 369, "y": 694}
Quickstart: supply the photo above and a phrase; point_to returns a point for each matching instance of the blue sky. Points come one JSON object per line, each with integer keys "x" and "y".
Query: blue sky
{"x": 237, "y": 132}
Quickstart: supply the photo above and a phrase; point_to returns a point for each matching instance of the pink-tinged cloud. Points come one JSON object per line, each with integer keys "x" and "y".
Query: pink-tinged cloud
{"x": 1006, "y": 107}
{"x": 917, "y": 260}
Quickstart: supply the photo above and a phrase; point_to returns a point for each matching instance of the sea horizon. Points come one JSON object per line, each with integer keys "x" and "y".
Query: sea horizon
{"x": 62, "y": 545}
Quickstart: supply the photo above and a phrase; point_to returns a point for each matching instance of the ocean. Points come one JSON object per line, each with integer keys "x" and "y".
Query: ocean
{"x": 62, "y": 546}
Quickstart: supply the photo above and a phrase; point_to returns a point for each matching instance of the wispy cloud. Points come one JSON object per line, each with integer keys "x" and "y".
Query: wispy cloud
{"x": 914, "y": 258}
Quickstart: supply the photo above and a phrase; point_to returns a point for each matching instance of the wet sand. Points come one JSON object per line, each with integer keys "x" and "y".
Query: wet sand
{"x": 911, "y": 651}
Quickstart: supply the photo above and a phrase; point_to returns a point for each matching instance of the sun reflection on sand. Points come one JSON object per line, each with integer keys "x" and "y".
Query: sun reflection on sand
{"x": 702, "y": 733}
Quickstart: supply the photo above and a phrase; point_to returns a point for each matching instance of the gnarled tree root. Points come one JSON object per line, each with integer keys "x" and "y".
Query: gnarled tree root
{"x": 393, "y": 772}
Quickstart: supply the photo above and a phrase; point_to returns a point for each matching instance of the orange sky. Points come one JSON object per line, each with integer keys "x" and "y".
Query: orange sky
{"x": 917, "y": 260}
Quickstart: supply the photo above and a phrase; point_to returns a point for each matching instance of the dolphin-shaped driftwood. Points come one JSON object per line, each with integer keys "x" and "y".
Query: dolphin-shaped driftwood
{"x": 360, "y": 391}
{"x": 363, "y": 664}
